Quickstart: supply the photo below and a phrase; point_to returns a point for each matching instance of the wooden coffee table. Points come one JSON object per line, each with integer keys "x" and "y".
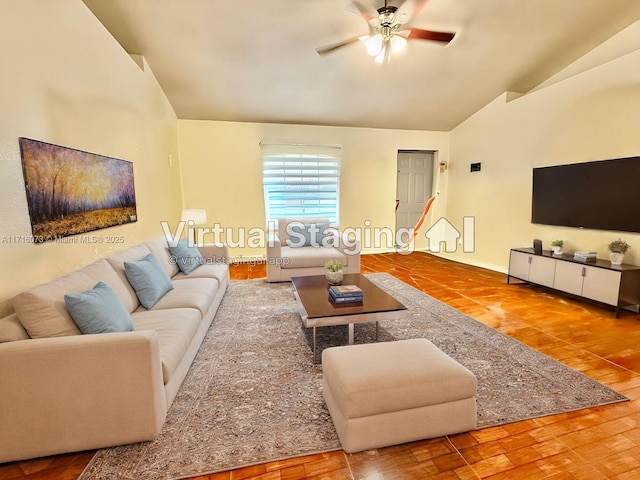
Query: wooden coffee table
{"x": 312, "y": 294}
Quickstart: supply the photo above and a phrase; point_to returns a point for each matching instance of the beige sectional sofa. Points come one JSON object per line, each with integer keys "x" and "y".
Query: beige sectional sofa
{"x": 64, "y": 391}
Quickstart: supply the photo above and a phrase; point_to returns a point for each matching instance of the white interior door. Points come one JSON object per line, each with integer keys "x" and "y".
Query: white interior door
{"x": 414, "y": 186}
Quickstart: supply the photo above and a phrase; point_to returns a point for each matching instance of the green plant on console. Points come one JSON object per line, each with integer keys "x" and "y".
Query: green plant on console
{"x": 333, "y": 266}
{"x": 557, "y": 243}
{"x": 619, "y": 246}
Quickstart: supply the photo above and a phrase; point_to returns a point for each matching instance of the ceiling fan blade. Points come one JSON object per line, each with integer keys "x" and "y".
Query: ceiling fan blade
{"x": 445, "y": 37}
{"x": 365, "y": 12}
{"x": 334, "y": 46}
{"x": 400, "y": 19}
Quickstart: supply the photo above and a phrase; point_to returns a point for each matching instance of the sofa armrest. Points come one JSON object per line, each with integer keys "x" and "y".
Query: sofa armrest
{"x": 215, "y": 251}
{"x": 274, "y": 246}
{"x": 79, "y": 392}
{"x": 348, "y": 244}
{"x": 274, "y": 256}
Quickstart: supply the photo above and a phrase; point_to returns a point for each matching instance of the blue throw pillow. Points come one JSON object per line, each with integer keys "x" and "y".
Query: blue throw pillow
{"x": 305, "y": 235}
{"x": 148, "y": 279}
{"x": 188, "y": 258}
{"x": 98, "y": 310}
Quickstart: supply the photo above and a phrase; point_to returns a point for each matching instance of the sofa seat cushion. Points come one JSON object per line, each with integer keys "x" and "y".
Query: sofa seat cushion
{"x": 195, "y": 293}
{"x": 42, "y": 310}
{"x": 176, "y": 329}
{"x": 305, "y": 257}
{"x": 218, "y": 271}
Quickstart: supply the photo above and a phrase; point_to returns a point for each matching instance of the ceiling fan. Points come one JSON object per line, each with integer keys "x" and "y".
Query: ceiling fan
{"x": 387, "y": 33}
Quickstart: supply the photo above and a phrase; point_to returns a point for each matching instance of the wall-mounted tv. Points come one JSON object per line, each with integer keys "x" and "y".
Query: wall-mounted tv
{"x": 602, "y": 195}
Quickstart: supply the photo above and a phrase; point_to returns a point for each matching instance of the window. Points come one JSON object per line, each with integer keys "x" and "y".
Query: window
{"x": 301, "y": 181}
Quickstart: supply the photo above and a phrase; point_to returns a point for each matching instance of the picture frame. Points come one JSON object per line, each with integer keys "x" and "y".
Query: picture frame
{"x": 71, "y": 191}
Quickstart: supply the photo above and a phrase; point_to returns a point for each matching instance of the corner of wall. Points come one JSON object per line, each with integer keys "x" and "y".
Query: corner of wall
{"x": 139, "y": 60}
{"x": 510, "y": 96}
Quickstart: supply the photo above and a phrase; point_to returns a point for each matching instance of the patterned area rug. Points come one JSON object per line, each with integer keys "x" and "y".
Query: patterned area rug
{"x": 253, "y": 394}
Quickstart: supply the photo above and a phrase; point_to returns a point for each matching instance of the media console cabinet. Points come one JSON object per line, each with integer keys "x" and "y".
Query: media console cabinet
{"x": 616, "y": 285}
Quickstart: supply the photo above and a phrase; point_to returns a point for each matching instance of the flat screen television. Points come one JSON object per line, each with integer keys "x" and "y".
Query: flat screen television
{"x": 602, "y": 195}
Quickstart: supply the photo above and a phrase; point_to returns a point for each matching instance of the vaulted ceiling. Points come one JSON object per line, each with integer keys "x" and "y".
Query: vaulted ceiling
{"x": 255, "y": 60}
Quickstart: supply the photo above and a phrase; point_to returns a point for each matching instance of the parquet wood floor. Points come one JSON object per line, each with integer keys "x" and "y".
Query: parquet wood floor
{"x": 593, "y": 444}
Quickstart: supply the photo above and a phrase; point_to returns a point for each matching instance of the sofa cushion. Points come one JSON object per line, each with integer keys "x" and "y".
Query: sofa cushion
{"x": 189, "y": 292}
{"x": 188, "y": 258}
{"x": 116, "y": 261}
{"x": 160, "y": 249}
{"x": 283, "y": 225}
{"x": 11, "y": 329}
{"x": 98, "y": 310}
{"x": 42, "y": 310}
{"x": 148, "y": 279}
{"x": 306, "y": 234}
{"x": 304, "y": 257}
{"x": 176, "y": 329}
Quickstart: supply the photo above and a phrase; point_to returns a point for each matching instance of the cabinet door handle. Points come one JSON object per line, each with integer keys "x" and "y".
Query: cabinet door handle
{"x": 529, "y": 259}
{"x": 584, "y": 272}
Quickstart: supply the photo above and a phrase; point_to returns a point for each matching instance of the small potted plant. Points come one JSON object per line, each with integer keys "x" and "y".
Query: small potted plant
{"x": 556, "y": 246}
{"x": 334, "y": 272}
{"x": 618, "y": 248}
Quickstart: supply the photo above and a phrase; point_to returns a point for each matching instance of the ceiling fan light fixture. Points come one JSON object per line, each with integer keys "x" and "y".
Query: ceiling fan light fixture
{"x": 374, "y": 44}
{"x": 398, "y": 43}
{"x": 383, "y": 55}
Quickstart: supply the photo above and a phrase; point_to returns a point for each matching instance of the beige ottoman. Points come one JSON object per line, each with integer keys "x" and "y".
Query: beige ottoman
{"x": 382, "y": 394}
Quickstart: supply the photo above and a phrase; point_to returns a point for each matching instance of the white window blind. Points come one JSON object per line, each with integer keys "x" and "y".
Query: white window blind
{"x": 301, "y": 181}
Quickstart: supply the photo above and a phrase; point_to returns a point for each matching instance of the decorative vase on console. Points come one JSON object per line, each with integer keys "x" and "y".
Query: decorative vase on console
{"x": 334, "y": 272}
{"x": 618, "y": 248}
{"x": 556, "y": 246}
{"x": 616, "y": 258}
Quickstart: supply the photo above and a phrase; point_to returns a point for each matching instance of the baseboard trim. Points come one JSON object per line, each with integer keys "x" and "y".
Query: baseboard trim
{"x": 471, "y": 262}
{"x": 458, "y": 259}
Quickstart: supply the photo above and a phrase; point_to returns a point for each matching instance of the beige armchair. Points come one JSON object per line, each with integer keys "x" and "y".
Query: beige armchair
{"x": 301, "y": 246}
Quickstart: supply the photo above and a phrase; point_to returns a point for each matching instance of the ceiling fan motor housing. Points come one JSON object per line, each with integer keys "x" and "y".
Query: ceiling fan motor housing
{"x": 387, "y": 10}
{"x": 386, "y": 15}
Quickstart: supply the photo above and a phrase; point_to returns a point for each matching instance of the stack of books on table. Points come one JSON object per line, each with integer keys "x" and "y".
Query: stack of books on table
{"x": 345, "y": 294}
{"x": 585, "y": 256}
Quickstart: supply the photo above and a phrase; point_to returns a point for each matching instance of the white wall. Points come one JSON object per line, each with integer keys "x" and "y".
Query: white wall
{"x": 592, "y": 113}
{"x": 66, "y": 81}
{"x": 222, "y": 171}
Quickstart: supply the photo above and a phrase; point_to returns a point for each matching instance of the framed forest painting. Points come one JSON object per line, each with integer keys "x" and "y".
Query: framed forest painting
{"x": 71, "y": 192}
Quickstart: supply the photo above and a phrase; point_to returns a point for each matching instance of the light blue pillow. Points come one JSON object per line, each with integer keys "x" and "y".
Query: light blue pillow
{"x": 312, "y": 233}
{"x": 188, "y": 258}
{"x": 148, "y": 279}
{"x": 98, "y": 310}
